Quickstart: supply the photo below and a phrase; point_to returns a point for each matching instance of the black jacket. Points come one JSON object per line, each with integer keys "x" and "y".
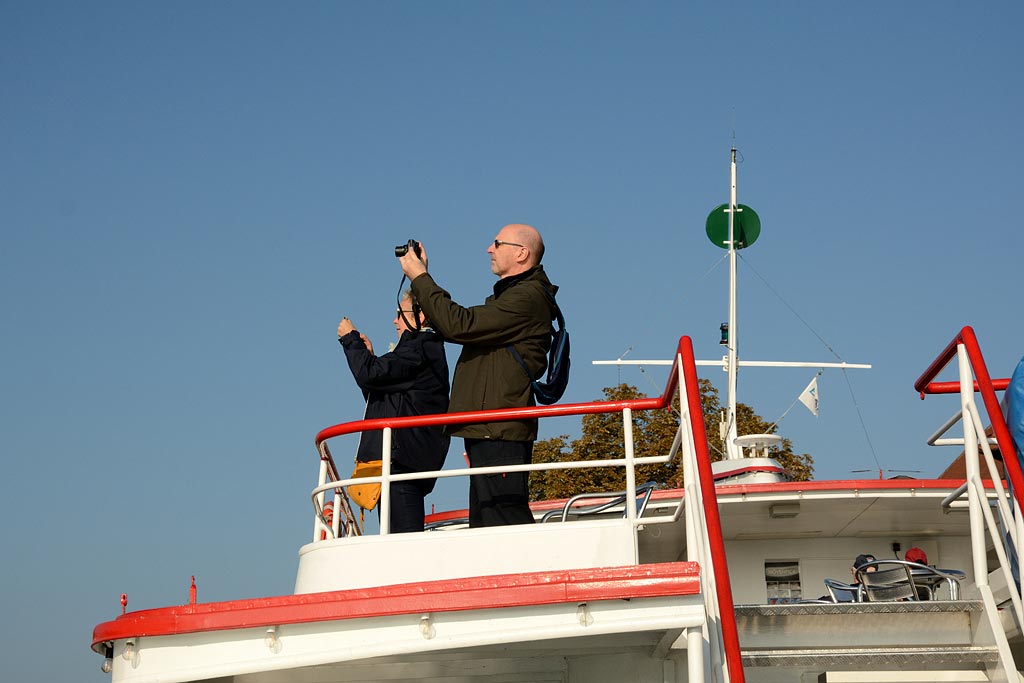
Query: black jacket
{"x": 487, "y": 375}
{"x": 411, "y": 380}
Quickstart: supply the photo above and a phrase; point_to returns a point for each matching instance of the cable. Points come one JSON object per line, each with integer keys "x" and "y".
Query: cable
{"x": 791, "y": 309}
{"x": 846, "y": 376}
{"x": 415, "y": 325}
{"x": 863, "y": 426}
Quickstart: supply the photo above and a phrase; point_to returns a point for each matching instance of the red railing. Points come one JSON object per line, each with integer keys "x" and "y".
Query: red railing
{"x": 730, "y": 635}
{"x": 988, "y": 387}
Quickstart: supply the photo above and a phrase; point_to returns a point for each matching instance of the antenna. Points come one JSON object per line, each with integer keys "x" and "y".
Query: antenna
{"x": 621, "y": 356}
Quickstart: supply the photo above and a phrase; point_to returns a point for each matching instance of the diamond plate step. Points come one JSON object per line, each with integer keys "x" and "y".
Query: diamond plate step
{"x": 865, "y": 636}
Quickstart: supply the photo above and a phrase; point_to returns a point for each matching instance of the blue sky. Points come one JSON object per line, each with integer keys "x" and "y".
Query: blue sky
{"x": 193, "y": 194}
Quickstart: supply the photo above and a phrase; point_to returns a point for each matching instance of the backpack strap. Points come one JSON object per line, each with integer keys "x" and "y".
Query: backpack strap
{"x": 561, "y": 326}
{"x": 515, "y": 354}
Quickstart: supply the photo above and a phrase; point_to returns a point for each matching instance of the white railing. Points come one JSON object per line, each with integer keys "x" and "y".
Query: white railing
{"x": 715, "y": 654}
{"x": 1007, "y": 531}
{"x": 326, "y": 483}
{"x": 698, "y": 547}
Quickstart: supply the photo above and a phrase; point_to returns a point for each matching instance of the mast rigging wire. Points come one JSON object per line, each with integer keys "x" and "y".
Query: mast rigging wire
{"x": 846, "y": 376}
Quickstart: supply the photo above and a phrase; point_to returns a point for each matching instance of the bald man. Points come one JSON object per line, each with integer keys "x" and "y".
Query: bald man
{"x": 487, "y": 375}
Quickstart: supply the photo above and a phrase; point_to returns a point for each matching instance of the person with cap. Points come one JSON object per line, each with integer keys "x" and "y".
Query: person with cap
{"x": 917, "y": 555}
{"x": 859, "y": 562}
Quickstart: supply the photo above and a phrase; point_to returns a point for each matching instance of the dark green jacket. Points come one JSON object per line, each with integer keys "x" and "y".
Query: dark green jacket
{"x": 487, "y": 375}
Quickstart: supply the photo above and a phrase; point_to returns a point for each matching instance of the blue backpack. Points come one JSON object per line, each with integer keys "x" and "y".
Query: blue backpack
{"x": 550, "y": 391}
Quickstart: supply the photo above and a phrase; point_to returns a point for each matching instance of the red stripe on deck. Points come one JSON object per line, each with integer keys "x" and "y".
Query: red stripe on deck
{"x": 485, "y": 592}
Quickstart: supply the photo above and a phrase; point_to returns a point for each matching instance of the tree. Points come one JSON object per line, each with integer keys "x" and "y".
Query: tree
{"x": 653, "y": 434}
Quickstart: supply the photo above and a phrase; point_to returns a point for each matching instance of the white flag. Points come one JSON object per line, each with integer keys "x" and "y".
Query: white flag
{"x": 810, "y": 396}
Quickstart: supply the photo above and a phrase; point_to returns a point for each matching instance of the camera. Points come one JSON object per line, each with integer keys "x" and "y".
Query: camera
{"x": 403, "y": 249}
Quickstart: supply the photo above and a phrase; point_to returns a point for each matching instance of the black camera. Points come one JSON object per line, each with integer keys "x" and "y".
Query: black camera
{"x": 403, "y": 249}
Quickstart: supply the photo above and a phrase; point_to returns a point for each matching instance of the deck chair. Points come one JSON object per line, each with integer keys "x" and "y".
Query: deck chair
{"x": 890, "y": 581}
{"x": 843, "y": 592}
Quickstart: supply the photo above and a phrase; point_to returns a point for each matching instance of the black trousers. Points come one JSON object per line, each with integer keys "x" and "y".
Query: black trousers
{"x": 407, "y": 504}
{"x": 406, "y": 507}
{"x": 499, "y": 499}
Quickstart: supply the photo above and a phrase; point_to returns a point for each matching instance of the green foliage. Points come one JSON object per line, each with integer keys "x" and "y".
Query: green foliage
{"x": 653, "y": 434}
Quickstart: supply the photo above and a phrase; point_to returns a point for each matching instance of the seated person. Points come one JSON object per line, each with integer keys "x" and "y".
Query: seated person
{"x": 859, "y": 562}
{"x": 917, "y": 555}
{"x": 848, "y": 592}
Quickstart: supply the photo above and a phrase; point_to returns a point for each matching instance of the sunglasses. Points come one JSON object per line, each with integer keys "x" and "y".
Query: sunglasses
{"x": 498, "y": 243}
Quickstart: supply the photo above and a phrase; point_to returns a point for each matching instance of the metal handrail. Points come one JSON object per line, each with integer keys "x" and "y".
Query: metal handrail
{"x": 617, "y": 498}
{"x": 710, "y": 521}
{"x": 987, "y": 387}
{"x": 697, "y": 448}
{"x": 338, "y": 484}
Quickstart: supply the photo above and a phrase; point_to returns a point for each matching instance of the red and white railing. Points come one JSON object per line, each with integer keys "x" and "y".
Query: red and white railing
{"x": 1007, "y": 532}
{"x": 705, "y": 543}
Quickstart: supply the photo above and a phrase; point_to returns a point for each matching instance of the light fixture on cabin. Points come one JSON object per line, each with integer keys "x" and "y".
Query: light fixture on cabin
{"x": 427, "y": 629}
{"x": 272, "y": 640}
{"x": 783, "y": 510}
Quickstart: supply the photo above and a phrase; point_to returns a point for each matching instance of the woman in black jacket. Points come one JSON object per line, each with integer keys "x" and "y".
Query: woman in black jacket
{"x": 411, "y": 379}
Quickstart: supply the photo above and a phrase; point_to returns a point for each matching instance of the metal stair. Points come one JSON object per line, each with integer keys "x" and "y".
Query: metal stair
{"x": 882, "y": 641}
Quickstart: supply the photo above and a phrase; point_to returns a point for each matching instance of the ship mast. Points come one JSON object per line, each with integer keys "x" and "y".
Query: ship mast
{"x": 736, "y": 226}
{"x": 732, "y": 226}
{"x": 732, "y": 451}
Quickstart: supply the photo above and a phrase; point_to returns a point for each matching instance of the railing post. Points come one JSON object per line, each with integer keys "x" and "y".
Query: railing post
{"x": 321, "y": 480}
{"x": 336, "y": 520}
{"x": 695, "y": 666}
{"x": 971, "y": 466}
{"x": 627, "y": 432}
{"x": 385, "y": 484}
{"x": 1018, "y": 524}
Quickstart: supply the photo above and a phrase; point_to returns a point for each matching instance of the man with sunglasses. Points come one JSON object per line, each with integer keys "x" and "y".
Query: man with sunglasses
{"x": 487, "y": 375}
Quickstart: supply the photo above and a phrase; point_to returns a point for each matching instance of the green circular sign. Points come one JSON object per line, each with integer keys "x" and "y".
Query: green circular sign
{"x": 746, "y": 227}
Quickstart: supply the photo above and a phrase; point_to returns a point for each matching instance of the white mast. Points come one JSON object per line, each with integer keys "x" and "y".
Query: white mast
{"x": 734, "y": 226}
{"x": 732, "y": 451}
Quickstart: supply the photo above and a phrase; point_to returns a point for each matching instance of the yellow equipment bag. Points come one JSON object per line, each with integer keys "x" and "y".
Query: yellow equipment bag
{"x": 366, "y": 496}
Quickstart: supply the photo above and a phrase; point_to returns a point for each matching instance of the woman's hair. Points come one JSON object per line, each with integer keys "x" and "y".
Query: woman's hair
{"x": 407, "y": 294}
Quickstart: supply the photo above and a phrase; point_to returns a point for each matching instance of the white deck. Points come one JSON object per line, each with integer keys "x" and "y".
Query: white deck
{"x": 531, "y": 645}
{"x": 429, "y": 556}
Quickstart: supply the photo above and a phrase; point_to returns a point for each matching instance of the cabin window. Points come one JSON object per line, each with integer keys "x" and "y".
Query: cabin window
{"x": 782, "y": 581}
